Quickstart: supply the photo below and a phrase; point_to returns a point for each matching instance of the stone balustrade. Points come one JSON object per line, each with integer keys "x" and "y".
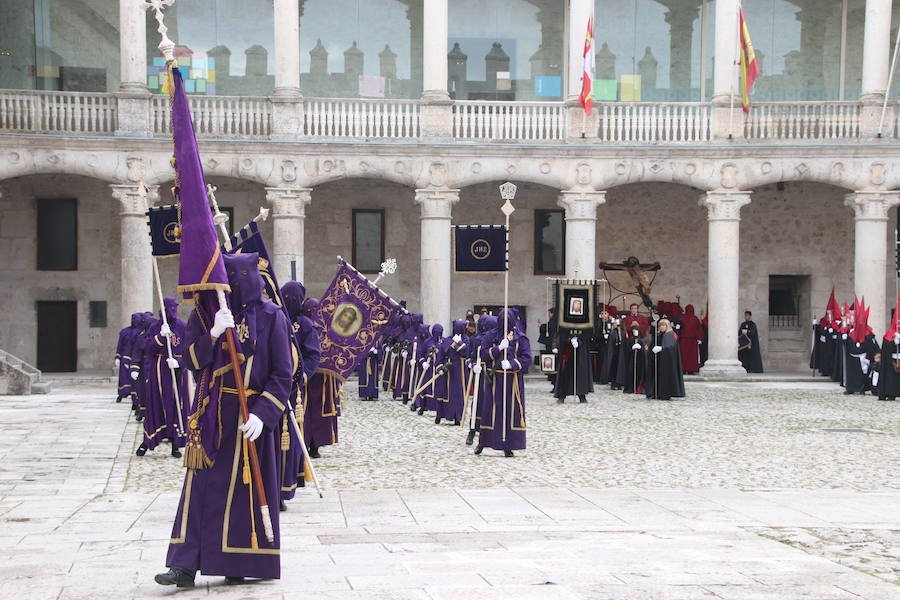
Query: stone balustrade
{"x": 629, "y": 123}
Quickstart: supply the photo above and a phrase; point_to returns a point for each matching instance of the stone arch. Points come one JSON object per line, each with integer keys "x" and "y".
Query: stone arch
{"x": 109, "y": 167}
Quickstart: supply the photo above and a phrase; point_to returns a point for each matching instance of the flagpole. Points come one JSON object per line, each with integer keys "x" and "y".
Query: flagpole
{"x": 165, "y": 320}
{"x": 507, "y": 192}
{"x": 738, "y": 64}
{"x": 887, "y": 91}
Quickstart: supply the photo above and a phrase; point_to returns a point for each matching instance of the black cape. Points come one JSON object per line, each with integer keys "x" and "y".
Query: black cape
{"x": 889, "y": 376}
{"x": 634, "y": 361}
{"x": 574, "y": 377}
{"x": 664, "y": 379}
{"x": 610, "y": 363}
{"x": 748, "y": 347}
{"x": 856, "y": 381}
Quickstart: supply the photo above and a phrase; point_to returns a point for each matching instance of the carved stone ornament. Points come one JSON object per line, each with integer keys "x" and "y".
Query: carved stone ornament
{"x": 583, "y": 174}
{"x": 729, "y": 176}
{"x": 135, "y": 171}
{"x": 724, "y": 206}
{"x": 288, "y": 171}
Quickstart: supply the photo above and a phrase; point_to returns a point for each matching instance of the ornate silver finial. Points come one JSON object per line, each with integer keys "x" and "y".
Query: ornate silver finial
{"x": 263, "y": 215}
{"x": 388, "y": 267}
{"x": 508, "y": 192}
{"x": 219, "y": 218}
{"x": 166, "y": 46}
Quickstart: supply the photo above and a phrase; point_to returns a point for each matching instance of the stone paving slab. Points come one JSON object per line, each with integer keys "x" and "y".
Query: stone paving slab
{"x": 81, "y": 517}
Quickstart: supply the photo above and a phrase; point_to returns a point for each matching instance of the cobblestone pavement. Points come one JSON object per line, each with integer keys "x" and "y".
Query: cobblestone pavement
{"x": 734, "y": 493}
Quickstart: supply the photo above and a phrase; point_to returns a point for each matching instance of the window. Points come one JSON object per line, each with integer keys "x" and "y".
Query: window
{"x": 549, "y": 242}
{"x": 368, "y": 240}
{"x": 97, "y": 312}
{"x": 57, "y": 234}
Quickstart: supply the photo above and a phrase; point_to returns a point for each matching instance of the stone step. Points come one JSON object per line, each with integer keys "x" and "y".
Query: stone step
{"x": 41, "y": 387}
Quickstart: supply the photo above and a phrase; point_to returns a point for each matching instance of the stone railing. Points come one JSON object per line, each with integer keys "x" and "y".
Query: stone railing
{"x": 367, "y": 119}
{"x": 652, "y": 122}
{"x": 57, "y": 112}
{"x": 18, "y": 378}
{"x": 798, "y": 121}
{"x": 217, "y": 116}
{"x": 509, "y": 121}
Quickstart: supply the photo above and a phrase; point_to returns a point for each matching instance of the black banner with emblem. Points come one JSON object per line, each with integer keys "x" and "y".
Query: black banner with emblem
{"x": 481, "y": 248}
{"x": 165, "y": 231}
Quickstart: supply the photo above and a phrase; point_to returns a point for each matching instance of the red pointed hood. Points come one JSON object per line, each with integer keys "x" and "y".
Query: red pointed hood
{"x": 861, "y": 327}
{"x": 835, "y": 309}
{"x": 893, "y": 328}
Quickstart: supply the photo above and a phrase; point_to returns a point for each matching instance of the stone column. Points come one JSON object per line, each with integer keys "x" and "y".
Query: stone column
{"x": 876, "y": 63}
{"x": 870, "y": 211}
{"x": 437, "y": 113}
{"x": 437, "y": 206}
{"x": 288, "y": 221}
{"x": 724, "y": 214}
{"x": 137, "y": 262}
{"x": 579, "y": 13}
{"x": 725, "y": 73}
{"x": 681, "y": 28}
{"x": 286, "y": 98}
{"x": 133, "y": 99}
{"x": 581, "y": 231}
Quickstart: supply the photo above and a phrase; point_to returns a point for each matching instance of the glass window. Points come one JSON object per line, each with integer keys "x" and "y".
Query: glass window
{"x": 368, "y": 240}
{"x": 646, "y": 51}
{"x": 506, "y": 50}
{"x": 361, "y": 48}
{"x": 42, "y": 45}
{"x": 798, "y": 49}
{"x": 225, "y": 47}
{"x": 549, "y": 242}
{"x": 57, "y": 234}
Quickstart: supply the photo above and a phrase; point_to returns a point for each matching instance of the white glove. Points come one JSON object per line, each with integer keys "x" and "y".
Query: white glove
{"x": 172, "y": 363}
{"x": 425, "y": 365}
{"x": 224, "y": 320}
{"x": 252, "y": 428}
{"x": 556, "y": 351}
{"x": 574, "y": 341}
{"x": 134, "y": 375}
{"x": 118, "y": 362}
{"x": 504, "y": 344}
{"x": 412, "y": 362}
{"x": 830, "y": 330}
{"x": 822, "y": 339}
{"x": 457, "y": 338}
{"x": 844, "y": 336}
{"x": 403, "y": 354}
{"x": 677, "y": 326}
{"x": 476, "y": 369}
{"x": 605, "y": 336}
{"x": 165, "y": 330}
{"x": 657, "y": 349}
{"x": 814, "y": 322}
{"x": 506, "y": 365}
{"x": 897, "y": 338}
{"x": 373, "y": 351}
{"x": 636, "y": 346}
{"x": 864, "y": 363}
{"x": 744, "y": 331}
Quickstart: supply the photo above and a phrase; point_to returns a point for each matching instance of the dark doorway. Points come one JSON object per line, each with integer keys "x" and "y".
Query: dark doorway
{"x": 57, "y": 336}
{"x": 786, "y": 295}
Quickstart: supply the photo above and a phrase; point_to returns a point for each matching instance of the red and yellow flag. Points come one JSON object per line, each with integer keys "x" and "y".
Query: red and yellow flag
{"x": 587, "y": 75}
{"x": 749, "y": 65}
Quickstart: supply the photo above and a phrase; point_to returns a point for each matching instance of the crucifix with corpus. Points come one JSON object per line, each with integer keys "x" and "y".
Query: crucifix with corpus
{"x": 638, "y": 273}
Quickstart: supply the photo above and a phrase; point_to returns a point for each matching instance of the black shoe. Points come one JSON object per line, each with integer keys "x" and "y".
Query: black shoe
{"x": 176, "y": 453}
{"x": 560, "y": 400}
{"x": 405, "y": 400}
{"x": 313, "y": 452}
{"x": 412, "y": 408}
{"x": 118, "y": 399}
{"x": 421, "y": 411}
{"x": 470, "y": 438}
{"x": 176, "y": 576}
{"x": 456, "y": 422}
{"x": 848, "y": 393}
{"x": 437, "y": 420}
{"x": 479, "y": 449}
{"x": 282, "y": 506}
{"x": 234, "y": 580}
{"x": 142, "y": 450}
{"x": 582, "y": 398}
{"x": 508, "y": 453}
{"x": 138, "y": 417}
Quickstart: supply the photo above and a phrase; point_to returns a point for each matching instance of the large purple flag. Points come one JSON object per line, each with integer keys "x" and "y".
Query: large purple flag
{"x": 201, "y": 266}
{"x": 352, "y": 314}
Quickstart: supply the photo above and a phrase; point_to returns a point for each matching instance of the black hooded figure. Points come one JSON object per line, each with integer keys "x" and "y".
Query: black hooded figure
{"x": 664, "y": 379}
{"x": 600, "y": 344}
{"x": 574, "y": 377}
{"x": 748, "y": 345}
{"x": 632, "y": 363}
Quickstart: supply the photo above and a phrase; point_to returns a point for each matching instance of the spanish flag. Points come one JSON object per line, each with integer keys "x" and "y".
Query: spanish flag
{"x": 587, "y": 74}
{"x": 749, "y": 65}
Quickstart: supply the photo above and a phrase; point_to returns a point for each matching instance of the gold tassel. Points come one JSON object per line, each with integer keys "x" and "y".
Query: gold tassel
{"x": 307, "y": 474}
{"x": 245, "y": 472}
{"x": 285, "y": 436}
{"x": 169, "y": 85}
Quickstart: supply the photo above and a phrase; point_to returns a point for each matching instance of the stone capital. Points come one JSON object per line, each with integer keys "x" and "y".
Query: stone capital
{"x": 437, "y": 203}
{"x": 288, "y": 202}
{"x": 581, "y": 205}
{"x": 724, "y": 205}
{"x": 871, "y": 206}
{"x": 133, "y": 200}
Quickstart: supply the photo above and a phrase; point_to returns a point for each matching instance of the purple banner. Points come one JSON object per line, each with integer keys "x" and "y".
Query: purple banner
{"x": 352, "y": 315}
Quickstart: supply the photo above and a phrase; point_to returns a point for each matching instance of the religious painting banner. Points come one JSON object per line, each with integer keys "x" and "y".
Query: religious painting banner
{"x": 165, "y": 232}
{"x": 352, "y": 315}
{"x": 575, "y": 300}
{"x": 481, "y": 248}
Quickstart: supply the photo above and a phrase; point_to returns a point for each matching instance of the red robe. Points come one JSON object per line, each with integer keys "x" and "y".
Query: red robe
{"x": 689, "y": 340}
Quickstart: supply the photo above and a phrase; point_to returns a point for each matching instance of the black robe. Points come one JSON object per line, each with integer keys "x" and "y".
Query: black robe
{"x": 704, "y": 347}
{"x": 574, "y": 377}
{"x": 664, "y": 379}
{"x": 856, "y": 381}
{"x": 839, "y": 356}
{"x": 823, "y": 353}
{"x": 749, "y": 355}
{"x": 599, "y": 344}
{"x": 633, "y": 373}
{"x": 889, "y": 376}
{"x": 610, "y": 367}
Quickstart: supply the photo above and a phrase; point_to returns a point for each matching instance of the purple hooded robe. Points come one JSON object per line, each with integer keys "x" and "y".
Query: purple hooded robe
{"x": 454, "y": 356}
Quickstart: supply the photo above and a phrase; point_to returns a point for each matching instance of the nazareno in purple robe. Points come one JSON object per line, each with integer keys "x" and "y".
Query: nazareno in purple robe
{"x": 368, "y": 375}
{"x": 320, "y": 426}
{"x": 433, "y": 392}
{"x": 212, "y": 528}
{"x": 136, "y": 365}
{"x": 454, "y": 358}
{"x": 123, "y": 354}
{"x": 480, "y": 387}
{"x": 502, "y": 424}
{"x": 417, "y": 374}
{"x": 163, "y": 411}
